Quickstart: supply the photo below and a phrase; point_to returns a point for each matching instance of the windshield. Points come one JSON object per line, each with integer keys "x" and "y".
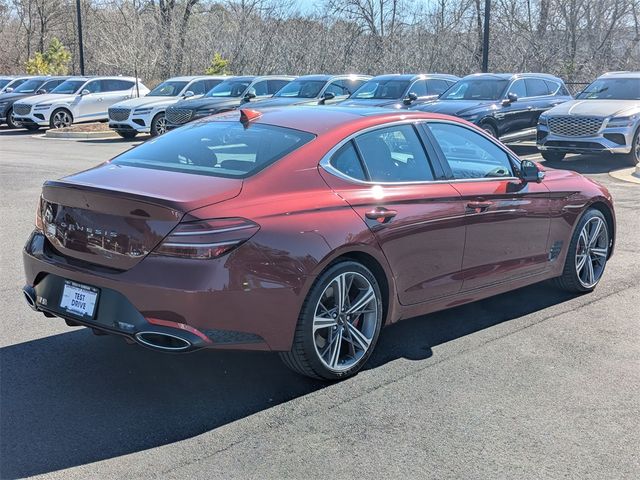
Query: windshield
{"x": 69, "y": 86}
{"x": 476, "y": 89}
{"x": 29, "y": 86}
{"x": 382, "y": 89}
{"x": 219, "y": 149}
{"x": 167, "y": 89}
{"x": 4, "y": 82}
{"x": 229, "y": 88}
{"x": 612, "y": 89}
{"x": 301, "y": 89}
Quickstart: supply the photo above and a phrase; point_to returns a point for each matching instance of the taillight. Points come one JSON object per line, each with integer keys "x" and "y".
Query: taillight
{"x": 39, "y": 223}
{"x": 206, "y": 239}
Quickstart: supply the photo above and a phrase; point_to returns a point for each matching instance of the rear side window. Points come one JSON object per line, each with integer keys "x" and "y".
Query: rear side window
{"x": 346, "y": 161}
{"x": 394, "y": 154}
{"x": 536, "y": 87}
{"x": 552, "y": 86}
{"x": 220, "y": 149}
{"x": 469, "y": 154}
{"x": 47, "y": 87}
{"x": 209, "y": 84}
{"x": 113, "y": 85}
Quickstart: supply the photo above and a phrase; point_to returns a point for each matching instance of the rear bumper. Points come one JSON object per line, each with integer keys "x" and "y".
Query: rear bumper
{"x": 215, "y": 298}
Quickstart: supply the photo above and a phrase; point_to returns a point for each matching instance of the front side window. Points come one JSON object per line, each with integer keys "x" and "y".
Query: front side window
{"x": 69, "y": 87}
{"x": 197, "y": 87}
{"x": 93, "y": 87}
{"x": 477, "y": 89}
{"x": 112, "y": 85}
{"x": 167, "y": 89}
{"x": 301, "y": 89}
{"x": 276, "y": 85}
{"x": 382, "y": 89}
{"x": 394, "y": 154}
{"x": 612, "y": 89}
{"x": 229, "y": 88}
{"x": 519, "y": 88}
{"x": 219, "y": 149}
{"x": 470, "y": 154}
{"x": 419, "y": 87}
{"x": 50, "y": 85}
{"x": 436, "y": 86}
{"x": 260, "y": 88}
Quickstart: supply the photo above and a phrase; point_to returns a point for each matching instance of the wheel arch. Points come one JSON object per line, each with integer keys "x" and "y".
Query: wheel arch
{"x": 607, "y": 212}
{"x": 491, "y": 121}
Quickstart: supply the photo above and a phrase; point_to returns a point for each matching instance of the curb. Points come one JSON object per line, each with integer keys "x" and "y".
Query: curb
{"x": 57, "y": 134}
{"x": 631, "y": 175}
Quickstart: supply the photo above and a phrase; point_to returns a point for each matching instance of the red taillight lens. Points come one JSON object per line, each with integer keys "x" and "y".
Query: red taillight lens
{"x": 39, "y": 223}
{"x": 205, "y": 239}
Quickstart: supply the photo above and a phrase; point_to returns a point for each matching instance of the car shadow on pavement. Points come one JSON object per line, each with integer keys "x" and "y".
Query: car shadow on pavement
{"x": 591, "y": 164}
{"x": 73, "y": 399}
{"x": 18, "y": 132}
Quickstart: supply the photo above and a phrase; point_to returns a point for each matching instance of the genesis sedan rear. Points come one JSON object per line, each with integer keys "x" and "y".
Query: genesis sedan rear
{"x": 305, "y": 230}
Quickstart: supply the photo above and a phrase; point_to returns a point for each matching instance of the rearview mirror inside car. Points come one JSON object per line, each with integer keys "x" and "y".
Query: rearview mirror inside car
{"x": 529, "y": 172}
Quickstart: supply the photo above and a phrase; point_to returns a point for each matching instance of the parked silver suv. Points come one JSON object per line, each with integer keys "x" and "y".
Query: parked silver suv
{"x": 604, "y": 117}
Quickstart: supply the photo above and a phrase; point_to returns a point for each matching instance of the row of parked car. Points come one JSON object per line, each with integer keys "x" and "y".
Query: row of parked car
{"x": 604, "y": 117}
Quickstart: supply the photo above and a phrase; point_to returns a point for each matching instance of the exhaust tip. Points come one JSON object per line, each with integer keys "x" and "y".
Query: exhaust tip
{"x": 163, "y": 341}
{"x": 30, "y": 296}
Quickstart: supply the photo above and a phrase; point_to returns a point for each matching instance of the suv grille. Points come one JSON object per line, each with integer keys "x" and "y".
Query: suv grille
{"x": 119, "y": 114}
{"x": 21, "y": 109}
{"x": 178, "y": 115}
{"x": 574, "y": 126}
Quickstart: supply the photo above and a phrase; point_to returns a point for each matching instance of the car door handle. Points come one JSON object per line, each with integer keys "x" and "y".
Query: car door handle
{"x": 100, "y": 99}
{"x": 530, "y": 107}
{"x": 478, "y": 207}
{"x": 381, "y": 214}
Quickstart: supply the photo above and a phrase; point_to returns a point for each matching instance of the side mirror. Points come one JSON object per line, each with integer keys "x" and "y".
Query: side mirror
{"x": 8, "y": 90}
{"x": 85, "y": 92}
{"x": 511, "y": 97}
{"x": 188, "y": 94}
{"x": 327, "y": 96}
{"x": 40, "y": 91}
{"x": 249, "y": 95}
{"x": 529, "y": 172}
{"x": 411, "y": 97}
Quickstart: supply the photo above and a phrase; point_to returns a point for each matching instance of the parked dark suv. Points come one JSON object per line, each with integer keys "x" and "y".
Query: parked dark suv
{"x": 505, "y": 105}
{"x": 399, "y": 91}
{"x": 33, "y": 86}
{"x": 224, "y": 97}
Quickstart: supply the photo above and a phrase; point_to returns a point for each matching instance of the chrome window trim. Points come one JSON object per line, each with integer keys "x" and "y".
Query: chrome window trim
{"x": 325, "y": 161}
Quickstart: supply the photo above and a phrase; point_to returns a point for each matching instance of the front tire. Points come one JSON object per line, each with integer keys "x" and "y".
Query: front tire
{"x": 61, "y": 118}
{"x": 490, "y": 129}
{"x": 339, "y": 324}
{"x": 587, "y": 255}
{"x": 158, "y": 125}
{"x": 11, "y": 122}
{"x": 553, "y": 156}
{"x": 634, "y": 156}
{"x": 128, "y": 135}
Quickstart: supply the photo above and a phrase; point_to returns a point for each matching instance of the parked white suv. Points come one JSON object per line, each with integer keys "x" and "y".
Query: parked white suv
{"x": 79, "y": 99}
{"x": 146, "y": 114}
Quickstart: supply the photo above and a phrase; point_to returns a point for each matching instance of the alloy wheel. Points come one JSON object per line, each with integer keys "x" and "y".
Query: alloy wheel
{"x": 592, "y": 251}
{"x": 61, "y": 119}
{"x": 12, "y": 120}
{"x": 161, "y": 125}
{"x": 345, "y": 321}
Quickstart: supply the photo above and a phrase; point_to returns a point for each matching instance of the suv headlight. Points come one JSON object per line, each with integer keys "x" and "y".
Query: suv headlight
{"x": 42, "y": 106}
{"x": 543, "y": 120}
{"x": 142, "y": 111}
{"x": 617, "y": 122}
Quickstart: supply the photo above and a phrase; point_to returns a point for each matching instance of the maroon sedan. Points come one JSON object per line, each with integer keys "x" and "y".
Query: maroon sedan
{"x": 304, "y": 230}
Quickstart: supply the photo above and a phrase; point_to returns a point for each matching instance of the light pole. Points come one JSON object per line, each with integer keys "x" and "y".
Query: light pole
{"x": 485, "y": 40}
{"x": 80, "y": 45}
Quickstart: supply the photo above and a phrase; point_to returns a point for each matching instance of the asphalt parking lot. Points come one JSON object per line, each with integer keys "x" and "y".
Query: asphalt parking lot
{"x": 535, "y": 383}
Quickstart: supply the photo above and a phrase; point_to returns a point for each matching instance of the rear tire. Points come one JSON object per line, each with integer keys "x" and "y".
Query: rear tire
{"x": 334, "y": 338}
{"x": 587, "y": 255}
{"x": 553, "y": 156}
{"x": 128, "y": 135}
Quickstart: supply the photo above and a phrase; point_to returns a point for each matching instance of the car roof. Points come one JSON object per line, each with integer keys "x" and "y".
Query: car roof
{"x": 621, "y": 75}
{"x": 328, "y": 77}
{"x": 190, "y": 78}
{"x": 511, "y": 76}
{"x": 415, "y": 76}
{"x": 318, "y": 119}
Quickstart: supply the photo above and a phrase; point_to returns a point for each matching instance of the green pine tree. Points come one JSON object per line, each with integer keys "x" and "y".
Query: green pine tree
{"x": 218, "y": 66}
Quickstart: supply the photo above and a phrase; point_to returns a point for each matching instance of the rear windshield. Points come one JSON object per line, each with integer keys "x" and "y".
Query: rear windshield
{"x": 219, "y": 149}
{"x": 612, "y": 89}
